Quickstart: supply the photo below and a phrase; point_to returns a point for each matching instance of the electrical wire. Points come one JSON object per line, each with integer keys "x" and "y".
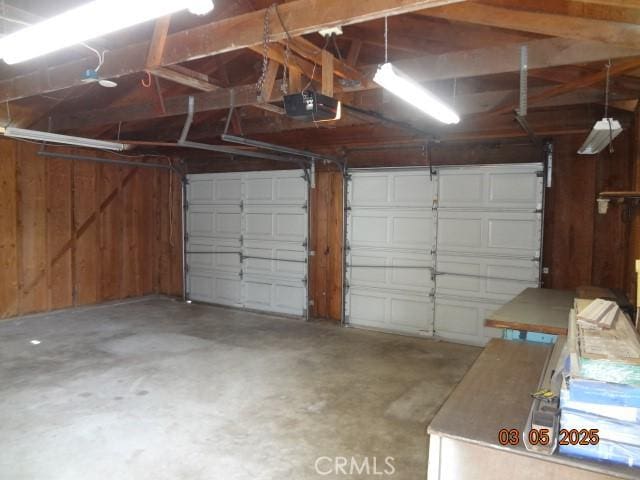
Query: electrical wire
{"x": 606, "y": 105}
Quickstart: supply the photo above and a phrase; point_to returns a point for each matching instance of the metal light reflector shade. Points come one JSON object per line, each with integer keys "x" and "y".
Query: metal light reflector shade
{"x": 603, "y": 133}
{"x": 89, "y": 21}
{"x": 38, "y": 136}
{"x": 411, "y": 92}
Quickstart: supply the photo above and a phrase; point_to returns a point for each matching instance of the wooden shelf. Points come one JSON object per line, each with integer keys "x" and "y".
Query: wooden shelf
{"x": 620, "y": 195}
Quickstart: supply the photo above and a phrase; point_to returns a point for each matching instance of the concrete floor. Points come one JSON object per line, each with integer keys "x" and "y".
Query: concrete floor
{"x": 156, "y": 389}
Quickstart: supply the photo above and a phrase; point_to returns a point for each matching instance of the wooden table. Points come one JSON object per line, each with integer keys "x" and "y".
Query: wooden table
{"x": 495, "y": 394}
{"x": 541, "y": 310}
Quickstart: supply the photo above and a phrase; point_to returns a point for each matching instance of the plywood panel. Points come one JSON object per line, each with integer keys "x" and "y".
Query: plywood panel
{"x": 325, "y": 268}
{"x": 570, "y": 217}
{"x": 59, "y": 233}
{"x": 70, "y": 231}
{"x": 86, "y": 242}
{"x": 32, "y": 231}
{"x": 8, "y": 232}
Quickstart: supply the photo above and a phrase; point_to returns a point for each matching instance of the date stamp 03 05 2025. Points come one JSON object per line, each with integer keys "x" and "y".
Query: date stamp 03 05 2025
{"x": 540, "y": 436}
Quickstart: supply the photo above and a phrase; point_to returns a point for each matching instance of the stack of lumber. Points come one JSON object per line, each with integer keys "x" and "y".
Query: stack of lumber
{"x": 601, "y": 391}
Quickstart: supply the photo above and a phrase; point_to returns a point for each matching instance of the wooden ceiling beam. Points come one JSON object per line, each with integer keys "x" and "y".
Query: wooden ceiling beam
{"x": 186, "y": 76}
{"x": 582, "y": 82}
{"x": 577, "y": 28}
{"x": 473, "y": 63}
{"x": 301, "y": 17}
{"x": 312, "y": 52}
{"x": 624, "y": 11}
{"x": 276, "y": 53}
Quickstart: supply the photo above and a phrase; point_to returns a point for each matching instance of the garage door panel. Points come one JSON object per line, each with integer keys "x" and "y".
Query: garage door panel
{"x": 389, "y": 229}
{"x": 274, "y": 294}
{"x": 276, "y": 260}
{"x": 275, "y": 188}
{"x": 512, "y": 187}
{"x": 215, "y": 287}
{"x": 278, "y": 223}
{"x": 463, "y": 320}
{"x": 489, "y": 233}
{"x": 389, "y": 189}
{"x": 215, "y": 221}
{"x": 391, "y": 310}
{"x": 229, "y": 261}
{"x": 215, "y": 189}
{"x": 398, "y": 270}
{"x": 485, "y": 278}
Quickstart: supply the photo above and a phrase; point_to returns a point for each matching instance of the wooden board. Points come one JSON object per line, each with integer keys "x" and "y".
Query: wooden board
{"x": 8, "y": 232}
{"x": 535, "y": 310}
{"x": 325, "y": 268}
{"x": 78, "y": 232}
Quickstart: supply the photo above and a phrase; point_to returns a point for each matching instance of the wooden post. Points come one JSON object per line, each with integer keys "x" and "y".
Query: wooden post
{"x": 327, "y": 73}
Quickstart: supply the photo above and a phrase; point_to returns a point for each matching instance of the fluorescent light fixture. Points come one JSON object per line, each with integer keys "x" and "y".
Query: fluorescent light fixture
{"x": 602, "y": 134}
{"x": 391, "y": 79}
{"x": 91, "y": 20}
{"x": 38, "y": 136}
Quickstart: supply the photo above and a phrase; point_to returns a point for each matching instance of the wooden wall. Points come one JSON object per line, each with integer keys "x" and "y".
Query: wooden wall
{"x": 582, "y": 247}
{"x": 76, "y": 233}
{"x": 325, "y": 267}
{"x": 634, "y": 241}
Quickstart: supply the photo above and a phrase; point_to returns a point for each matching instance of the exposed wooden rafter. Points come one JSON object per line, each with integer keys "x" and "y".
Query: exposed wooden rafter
{"x": 300, "y": 17}
{"x": 578, "y": 28}
{"x": 486, "y": 61}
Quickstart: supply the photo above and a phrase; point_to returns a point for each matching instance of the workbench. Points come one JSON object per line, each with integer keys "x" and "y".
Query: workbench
{"x": 540, "y": 310}
{"x": 493, "y": 395}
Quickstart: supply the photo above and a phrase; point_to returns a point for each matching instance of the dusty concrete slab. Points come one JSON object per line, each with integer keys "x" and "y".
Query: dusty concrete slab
{"x": 157, "y": 389}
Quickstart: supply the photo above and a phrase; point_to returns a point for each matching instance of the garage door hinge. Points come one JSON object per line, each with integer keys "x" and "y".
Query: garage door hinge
{"x": 434, "y": 206}
{"x": 535, "y": 259}
{"x": 305, "y": 243}
{"x": 241, "y": 205}
{"x": 538, "y": 210}
{"x": 305, "y": 206}
{"x": 540, "y": 173}
{"x": 241, "y": 274}
{"x": 186, "y": 204}
{"x": 304, "y": 280}
{"x": 186, "y": 267}
{"x": 186, "y": 237}
{"x": 241, "y": 239}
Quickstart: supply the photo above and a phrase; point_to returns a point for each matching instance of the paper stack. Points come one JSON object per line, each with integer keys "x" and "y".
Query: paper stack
{"x": 602, "y": 384}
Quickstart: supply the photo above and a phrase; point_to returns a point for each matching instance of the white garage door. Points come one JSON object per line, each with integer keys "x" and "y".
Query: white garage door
{"x": 489, "y": 224}
{"x": 247, "y": 240}
{"x": 390, "y": 236}
{"x": 436, "y": 255}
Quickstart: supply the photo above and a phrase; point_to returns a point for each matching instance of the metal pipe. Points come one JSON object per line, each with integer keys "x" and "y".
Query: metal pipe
{"x": 280, "y": 149}
{"x": 236, "y": 151}
{"x": 487, "y": 277}
{"x": 185, "y": 267}
{"x": 189, "y": 120}
{"x": 128, "y": 163}
{"x": 392, "y": 266}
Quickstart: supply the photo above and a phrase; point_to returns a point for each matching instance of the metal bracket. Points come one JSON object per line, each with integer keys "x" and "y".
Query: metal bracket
{"x": 232, "y": 101}
{"x": 189, "y": 120}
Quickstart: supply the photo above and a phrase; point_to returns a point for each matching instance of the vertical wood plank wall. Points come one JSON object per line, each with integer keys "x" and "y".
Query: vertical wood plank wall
{"x": 582, "y": 247}
{"x": 325, "y": 267}
{"x": 77, "y": 233}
